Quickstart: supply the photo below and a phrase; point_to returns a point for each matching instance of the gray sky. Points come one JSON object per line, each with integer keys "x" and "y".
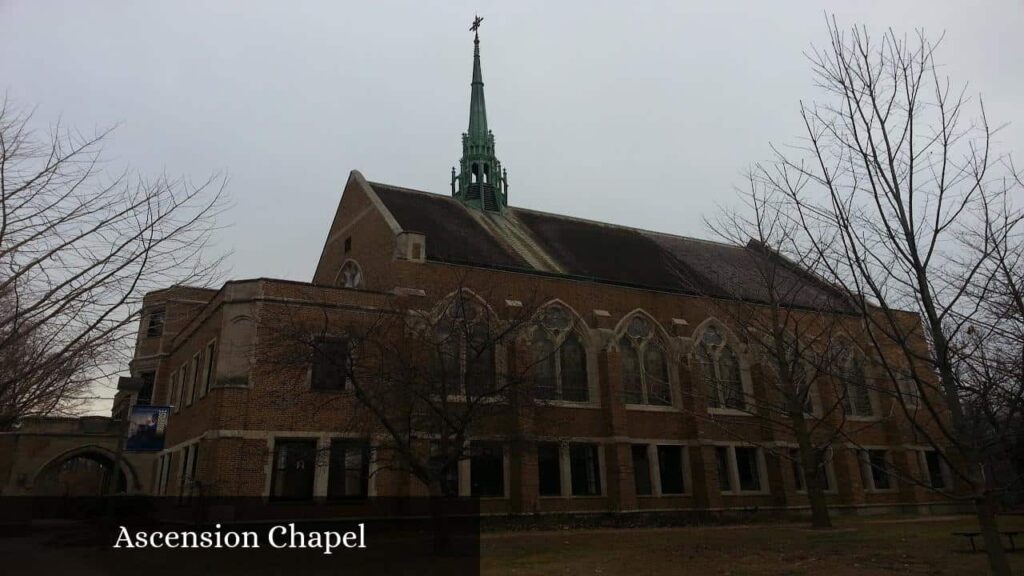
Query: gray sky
{"x": 641, "y": 113}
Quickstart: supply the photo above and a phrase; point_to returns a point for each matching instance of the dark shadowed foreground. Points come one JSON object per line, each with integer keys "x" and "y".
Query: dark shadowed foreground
{"x": 859, "y": 547}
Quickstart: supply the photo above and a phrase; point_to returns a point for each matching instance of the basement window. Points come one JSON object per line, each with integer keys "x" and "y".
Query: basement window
{"x": 641, "y": 470}
{"x": 549, "y": 469}
{"x": 487, "y": 469}
{"x": 584, "y": 469}
{"x": 294, "y": 470}
{"x": 670, "y": 469}
{"x": 349, "y": 468}
{"x": 875, "y": 469}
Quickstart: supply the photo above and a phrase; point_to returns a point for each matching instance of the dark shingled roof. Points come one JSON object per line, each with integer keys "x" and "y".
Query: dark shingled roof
{"x": 604, "y": 252}
{"x": 452, "y": 234}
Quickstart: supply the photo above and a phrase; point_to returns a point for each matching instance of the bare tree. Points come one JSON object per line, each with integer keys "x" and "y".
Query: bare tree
{"x": 989, "y": 355}
{"x": 78, "y": 250}
{"x": 798, "y": 329}
{"x": 422, "y": 381}
{"x": 889, "y": 181}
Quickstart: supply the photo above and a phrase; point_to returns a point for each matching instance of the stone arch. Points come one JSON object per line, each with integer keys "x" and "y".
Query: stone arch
{"x": 552, "y": 337}
{"x": 740, "y": 347}
{"x": 579, "y": 325}
{"x": 94, "y": 452}
{"x": 660, "y": 334}
{"x": 442, "y": 305}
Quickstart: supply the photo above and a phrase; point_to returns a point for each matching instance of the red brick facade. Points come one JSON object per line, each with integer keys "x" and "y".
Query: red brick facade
{"x": 241, "y": 405}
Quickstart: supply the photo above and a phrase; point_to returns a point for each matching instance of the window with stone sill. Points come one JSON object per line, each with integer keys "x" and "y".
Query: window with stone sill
{"x": 740, "y": 464}
{"x": 876, "y": 472}
{"x": 465, "y": 351}
{"x": 856, "y": 394}
{"x": 155, "y": 323}
{"x": 799, "y": 476}
{"x": 560, "y": 360}
{"x": 645, "y": 377}
{"x": 908, "y": 389}
{"x": 936, "y": 470}
{"x": 720, "y": 368}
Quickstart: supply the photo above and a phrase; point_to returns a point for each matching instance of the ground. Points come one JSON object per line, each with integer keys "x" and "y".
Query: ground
{"x": 857, "y": 546}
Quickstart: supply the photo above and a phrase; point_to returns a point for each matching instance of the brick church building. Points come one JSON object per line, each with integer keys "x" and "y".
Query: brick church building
{"x": 623, "y": 422}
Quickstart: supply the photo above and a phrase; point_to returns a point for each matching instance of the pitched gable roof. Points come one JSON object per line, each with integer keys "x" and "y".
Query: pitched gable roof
{"x": 598, "y": 251}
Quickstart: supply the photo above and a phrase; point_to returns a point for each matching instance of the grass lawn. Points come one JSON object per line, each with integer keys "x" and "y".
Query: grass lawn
{"x": 861, "y": 546}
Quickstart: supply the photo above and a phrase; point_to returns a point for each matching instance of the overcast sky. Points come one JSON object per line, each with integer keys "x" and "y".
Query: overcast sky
{"x": 638, "y": 113}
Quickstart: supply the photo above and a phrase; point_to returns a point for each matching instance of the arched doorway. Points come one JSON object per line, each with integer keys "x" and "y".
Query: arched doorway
{"x": 80, "y": 472}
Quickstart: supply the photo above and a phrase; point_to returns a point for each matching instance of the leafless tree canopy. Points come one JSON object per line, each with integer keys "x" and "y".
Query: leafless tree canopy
{"x": 79, "y": 247}
{"x": 898, "y": 190}
{"x": 422, "y": 382}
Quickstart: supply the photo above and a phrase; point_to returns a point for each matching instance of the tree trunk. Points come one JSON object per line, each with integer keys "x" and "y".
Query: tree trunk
{"x": 815, "y": 491}
{"x": 989, "y": 526}
{"x": 439, "y": 513}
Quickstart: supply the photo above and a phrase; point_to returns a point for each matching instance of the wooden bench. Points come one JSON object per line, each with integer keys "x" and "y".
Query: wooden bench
{"x": 1010, "y": 535}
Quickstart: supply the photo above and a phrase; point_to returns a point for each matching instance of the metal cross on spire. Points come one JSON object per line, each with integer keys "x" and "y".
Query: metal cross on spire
{"x": 476, "y": 23}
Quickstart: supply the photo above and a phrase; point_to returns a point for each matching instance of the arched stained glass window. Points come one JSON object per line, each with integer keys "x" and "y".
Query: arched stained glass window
{"x": 559, "y": 358}
{"x": 645, "y": 378}
{"x": 632, "y": 384}
{"x": 720, "y": 368}
{"x": 573, "y": 369}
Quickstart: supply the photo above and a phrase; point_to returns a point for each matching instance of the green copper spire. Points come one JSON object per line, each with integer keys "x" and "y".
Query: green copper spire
{"x": 477, "y": 108}
{"x": 481, "y": 183}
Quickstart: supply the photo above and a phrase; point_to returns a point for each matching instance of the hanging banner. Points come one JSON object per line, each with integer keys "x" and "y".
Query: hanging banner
{"x": 146, "y": 427}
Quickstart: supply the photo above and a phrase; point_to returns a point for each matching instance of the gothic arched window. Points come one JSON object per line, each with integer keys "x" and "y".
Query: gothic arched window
{"x": 560, "y": 360}
{"x": 465, "y": 346}
{"x": 720, "y": 367}
{"x": 647, "y": 381}
{"x": 856, "y": 397}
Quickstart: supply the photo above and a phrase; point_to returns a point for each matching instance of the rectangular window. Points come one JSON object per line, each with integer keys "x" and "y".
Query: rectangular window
{"x": 172, "y": 395}
{"x": 487, "y": 469}
{"x": 211, "y": 350}
{"x": 330, "y": 363}
{"x": 294, "y": 467}
{"x": 183, "y": 470}
{"x": 348, "y": 470}
{"x": 798, "y": 472}
{"x": 722, "y": 461}
{"x": 584, "y": 470}
{"x": 166, "y": 474}
{"x": 193, "y": 471}
{"x": 909, "y": 391}
{"x": 155, "y": 323}
{"x": 875, "y": 469}
{"x": 748, "y": 469}
{"x": 197, "y": 363}
{"x": 449, "y": 477}
{"x": 183, "y": 391}
{"x": 670, "y": 469}
{"x": 933, "y": 464}
{"x": 641, "y": 470}
{"x": 159, "y": 475}
{"x": 549, "y": 469}
{"x": 145, "y": 396}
